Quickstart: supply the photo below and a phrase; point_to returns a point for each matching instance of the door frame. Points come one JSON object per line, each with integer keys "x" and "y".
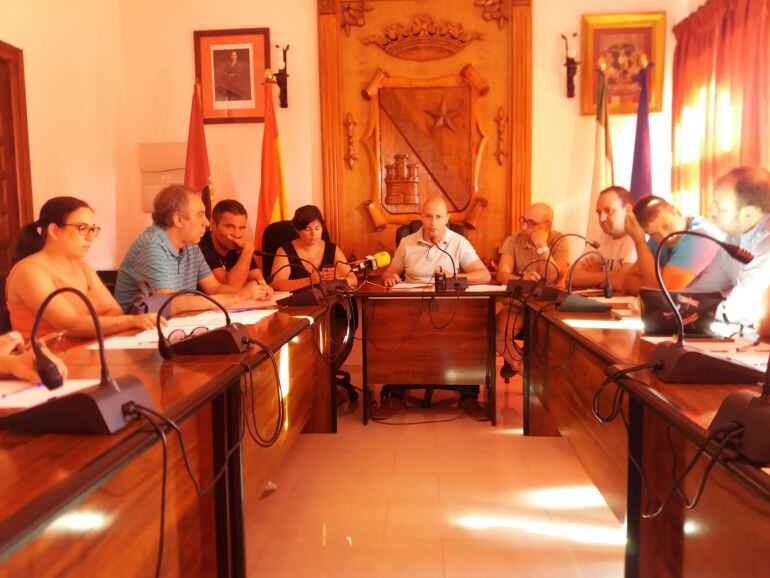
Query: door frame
{"x": 15, "y": 59}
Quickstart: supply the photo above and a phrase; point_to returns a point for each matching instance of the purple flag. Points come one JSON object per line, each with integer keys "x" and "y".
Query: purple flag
{"x": 641, "y": 173}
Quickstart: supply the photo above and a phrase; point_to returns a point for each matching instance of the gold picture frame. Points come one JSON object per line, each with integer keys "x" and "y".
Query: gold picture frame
{"x": 623, "y": 41}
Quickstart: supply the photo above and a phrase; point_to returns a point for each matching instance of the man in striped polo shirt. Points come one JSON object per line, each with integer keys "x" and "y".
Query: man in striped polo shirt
{"x": 167, "y": 256}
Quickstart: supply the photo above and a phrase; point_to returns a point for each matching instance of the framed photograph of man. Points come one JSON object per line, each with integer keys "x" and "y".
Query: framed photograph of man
{"x": 230, "y": 65}
{"x": 620, "y": 43}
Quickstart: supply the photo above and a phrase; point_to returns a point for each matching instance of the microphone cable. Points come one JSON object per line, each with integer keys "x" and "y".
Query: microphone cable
{"x": 414, "y": 324}
{"x": 256, "y": 435}
{"x": 150, "y": 415}
{"x": 617, "y": 399}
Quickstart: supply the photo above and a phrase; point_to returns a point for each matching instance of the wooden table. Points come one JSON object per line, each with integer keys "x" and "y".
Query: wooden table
{"x": 90, "y": 505}
{"x": 728, "y": 532}
{"x": 425, "y": 338}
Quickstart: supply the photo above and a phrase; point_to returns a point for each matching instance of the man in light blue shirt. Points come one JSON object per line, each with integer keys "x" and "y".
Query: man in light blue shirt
{"x": 168, "y": 258}
{"x": 741, "y": 208}
{"x": 681, "y": 260}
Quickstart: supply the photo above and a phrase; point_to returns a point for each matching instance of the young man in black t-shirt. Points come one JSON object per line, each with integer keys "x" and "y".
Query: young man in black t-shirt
{"x": 229, "y": 246}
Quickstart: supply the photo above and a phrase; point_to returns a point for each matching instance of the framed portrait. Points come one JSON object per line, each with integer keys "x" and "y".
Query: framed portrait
{"x": 620, "y": 43}
{"x": 230, "y": 65}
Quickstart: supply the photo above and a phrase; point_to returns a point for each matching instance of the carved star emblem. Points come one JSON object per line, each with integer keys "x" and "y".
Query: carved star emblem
{"x": 442, "y": 116}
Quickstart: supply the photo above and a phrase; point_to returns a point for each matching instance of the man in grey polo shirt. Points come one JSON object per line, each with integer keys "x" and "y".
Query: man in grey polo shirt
{"x": 167, "y": 256}
{"x": 417, "y": 257}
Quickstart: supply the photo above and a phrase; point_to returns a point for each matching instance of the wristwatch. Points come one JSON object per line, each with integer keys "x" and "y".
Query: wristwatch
{"x": 542, "y": 250}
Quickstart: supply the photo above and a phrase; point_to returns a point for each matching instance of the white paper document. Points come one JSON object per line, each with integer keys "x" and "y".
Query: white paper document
{"x": 483, "y": 288}
{"x": 15, "y": 394}
{"x": 148, "y": 339}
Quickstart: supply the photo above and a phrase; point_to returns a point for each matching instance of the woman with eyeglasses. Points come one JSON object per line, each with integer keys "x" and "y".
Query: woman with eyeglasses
{"x": 49, "y": 255}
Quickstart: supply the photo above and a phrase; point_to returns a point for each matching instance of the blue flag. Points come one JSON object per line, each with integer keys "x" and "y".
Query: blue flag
{"x": 641, "y": 173}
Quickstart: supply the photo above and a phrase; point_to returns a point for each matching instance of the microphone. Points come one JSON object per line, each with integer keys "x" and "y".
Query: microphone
{"x": 370, "y": 262}
{"x": 231, "y": 338}
{"x": 677, "y": 362}
{"x": 97, "y": 410}
{"x": 455, "y": 283}
{"x": 607, "y": 286}
{"x": 569, "y": 302}
{"x": 301, "y": 297}
{"x": 556, "y": 241}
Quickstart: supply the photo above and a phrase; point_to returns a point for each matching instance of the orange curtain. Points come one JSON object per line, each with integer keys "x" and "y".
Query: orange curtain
{"x": 720, "y": 116}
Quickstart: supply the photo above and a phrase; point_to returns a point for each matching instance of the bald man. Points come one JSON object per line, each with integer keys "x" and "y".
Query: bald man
{"x": 524, "y": 255}
{"x": 418, "y": 256}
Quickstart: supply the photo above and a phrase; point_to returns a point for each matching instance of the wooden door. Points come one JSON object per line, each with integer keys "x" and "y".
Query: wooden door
{"x": 15, "y": 189}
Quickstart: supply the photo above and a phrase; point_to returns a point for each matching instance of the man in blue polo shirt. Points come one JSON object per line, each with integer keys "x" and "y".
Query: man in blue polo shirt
{"x": 167, "y": 256}
{"x": 681, "y": 260}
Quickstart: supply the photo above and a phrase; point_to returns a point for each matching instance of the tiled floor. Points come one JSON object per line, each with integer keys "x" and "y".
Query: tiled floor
{"x": 456, "y": 499}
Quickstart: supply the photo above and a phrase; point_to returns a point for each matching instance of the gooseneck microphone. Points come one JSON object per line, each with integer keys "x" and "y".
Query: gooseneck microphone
{"x": 605, "y": 265}
{"x": 96, "y": 410}
{"x": 455, "y": 283}
{"x": 736, "y": 252}
{"x": 261, "y": 253}
{"x": 232, "y": 338}
{"x": 680, "y": 364}
{"x": 556, "y": 241}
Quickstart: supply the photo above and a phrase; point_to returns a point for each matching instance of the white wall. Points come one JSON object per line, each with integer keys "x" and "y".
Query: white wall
{"x": 72, "y": 81}
{"x": 104, "y": 76}
{"x": 563, "y": 140}
{"x": 157, "y": 41}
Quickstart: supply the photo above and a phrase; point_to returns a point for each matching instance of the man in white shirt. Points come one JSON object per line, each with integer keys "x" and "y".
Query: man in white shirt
{"x": 741, "y": 208}
{"x": 419, "y": 255}
{"x": 615, "y": 245}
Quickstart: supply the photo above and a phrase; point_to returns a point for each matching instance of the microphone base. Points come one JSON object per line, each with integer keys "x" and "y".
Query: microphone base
{"x": 334, "y": 286}
{"x": 577, "y": 303}
{"x": 752, "y": 411}
{"x": 455, "y": 284}
{"x": 521, "y": 286}
{"x": 224, "y": 340}
{"x": 545, "y": 292}
{"x": 685, "y": 365}
{"x": 303, "y": 298}
{"x": 97, "y": 410}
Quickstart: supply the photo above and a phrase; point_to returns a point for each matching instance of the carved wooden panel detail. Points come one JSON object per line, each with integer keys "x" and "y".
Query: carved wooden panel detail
{"x": 353, "y": 14}
{"x": 501, "y": 119}
{"x": 494, "y": 10}
{"x": 425, "y": 138}
{"x": 423, "y": 39}
{"x": 350, "y": 155}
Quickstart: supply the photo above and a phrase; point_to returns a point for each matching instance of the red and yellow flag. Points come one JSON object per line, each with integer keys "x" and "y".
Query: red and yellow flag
{"x": 197, "y": 173}
{"x": 272, "y": 194}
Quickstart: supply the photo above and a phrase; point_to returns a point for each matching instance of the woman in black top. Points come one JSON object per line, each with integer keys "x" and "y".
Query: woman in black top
{"x": 310, "y": 246}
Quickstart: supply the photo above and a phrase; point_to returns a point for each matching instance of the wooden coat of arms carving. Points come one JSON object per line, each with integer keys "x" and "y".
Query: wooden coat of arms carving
{"x": 425, "y": 138}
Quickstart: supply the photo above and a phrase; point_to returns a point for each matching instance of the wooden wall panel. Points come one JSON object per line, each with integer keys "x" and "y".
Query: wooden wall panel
{"x": 502, "y": 58}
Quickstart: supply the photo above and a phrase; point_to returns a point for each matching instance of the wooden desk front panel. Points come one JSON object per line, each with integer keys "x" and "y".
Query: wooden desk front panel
{"x": 560, "y": 399}
{"x": 125, "y": 511}
{"x": 427, "y": 341}
{"x": 310, "y": 408}
{"x": 725, "y": 535}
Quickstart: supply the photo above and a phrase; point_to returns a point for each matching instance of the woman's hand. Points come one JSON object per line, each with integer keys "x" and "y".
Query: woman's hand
{"x": 10, "y": 341}
{"x": 328, "y": 274}
{"x": 22, "y": 366}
